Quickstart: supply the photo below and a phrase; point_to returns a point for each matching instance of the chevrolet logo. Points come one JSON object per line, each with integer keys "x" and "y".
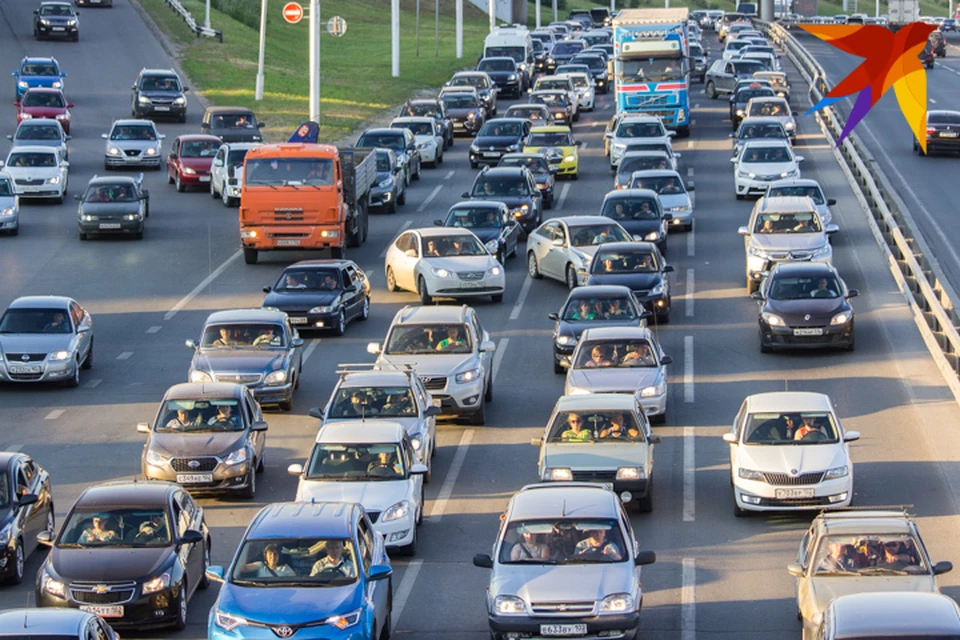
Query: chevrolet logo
{"x": 101, "y": 589}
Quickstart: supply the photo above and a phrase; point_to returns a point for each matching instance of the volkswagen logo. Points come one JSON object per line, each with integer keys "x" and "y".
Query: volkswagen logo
{"x": 493, "y": 148}
{"x": 194, "y": 464}
{"x": 806, "y": 317}
{"x": 101, "y": 588}
{"x": 25, "y": 357}
{"x": 284, "y": 632}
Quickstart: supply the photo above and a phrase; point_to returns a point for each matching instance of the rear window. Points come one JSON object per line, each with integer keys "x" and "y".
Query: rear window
{"x": 944, "y": 118}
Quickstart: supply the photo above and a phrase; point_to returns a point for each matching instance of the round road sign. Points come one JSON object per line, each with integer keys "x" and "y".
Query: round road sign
{"x": 336, "y": 26}
{"x": 292, "y": 12}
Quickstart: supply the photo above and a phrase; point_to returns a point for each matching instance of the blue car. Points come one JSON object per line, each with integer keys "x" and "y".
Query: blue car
{"x": 311, "y": 570}
{"x": 38, "y": 72}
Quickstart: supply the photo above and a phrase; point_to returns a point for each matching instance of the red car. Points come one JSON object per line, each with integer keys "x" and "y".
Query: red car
{"x": 189, "y": 160}
{"x": 44, "y": 103}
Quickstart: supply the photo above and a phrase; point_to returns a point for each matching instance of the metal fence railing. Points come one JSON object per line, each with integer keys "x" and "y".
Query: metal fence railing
{"x": 196, "y": 28}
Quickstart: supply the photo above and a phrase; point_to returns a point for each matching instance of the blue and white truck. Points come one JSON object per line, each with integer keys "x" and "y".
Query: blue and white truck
{"x": 651, "y": 65}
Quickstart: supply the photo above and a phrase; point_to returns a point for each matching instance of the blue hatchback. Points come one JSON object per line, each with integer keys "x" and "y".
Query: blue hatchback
{"x": 38, "y": 72}
{"x": 306, "y": 570}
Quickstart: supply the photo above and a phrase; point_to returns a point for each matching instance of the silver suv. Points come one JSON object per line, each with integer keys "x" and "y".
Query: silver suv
{"x": 451, "y": 352}
{"x": 627, "y": 129}
{"x": 565, "y": 563}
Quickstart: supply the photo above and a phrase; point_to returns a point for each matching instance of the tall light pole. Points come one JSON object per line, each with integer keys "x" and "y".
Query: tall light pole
{"x": 395, "y": 36}
{"x": 538, "y": 14}
{"x": 492, "y": 10}
{"x": 556, "y": 16}
{"x": 206, "y": 17}
{"x": 258, "y": 92}
{"x": 314, "y": 26}
{"x": 459, "y": 28}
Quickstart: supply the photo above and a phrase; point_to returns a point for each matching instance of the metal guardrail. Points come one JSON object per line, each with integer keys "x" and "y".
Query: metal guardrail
{"x": 196, "y": 28}
{"x": 919, "y": 277}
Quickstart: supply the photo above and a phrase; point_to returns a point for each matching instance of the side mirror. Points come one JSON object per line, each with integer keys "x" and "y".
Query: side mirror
{"x": 653, "y": 439}
{"x": 104, "y": 136}
{"x": 191, "y": 536}
{"x": 258, "y": 425}
{"x": 10, "y": 137}
{"x": 553, "y": 316}
{"x": 191, "y": 343}
{"x": 608, "y": 134}
{"x": 297, "y": 342}
{"x": 185, "y": 89}
{"x": 410, "y": 253}
{"x": 557, "y": 242}
{"x": 27, "y": 499}
{"x": 465, "y": 194}
{"x": 691, "y": 187}
{"x": 215, "y": 573}
{"x": 433, "y": 411}
{"x": 832, "y": 229}
{"x": 483, "y": 561}
{"x": 379, "y": 572}
{"x": 733, "y": 160}
{"x": 831, "y": 202}
{"x": 942, "y": 567}
{"x": 418, "y": 469}
{"x": 667, "y": 216}
{"x": 438, "y": 223}
{"x": 756, "y": 295}
{"x": 851, "y": 436}
{"x": 45, "y": 538}
{"x": 730, "y": 438}
{"x": 671, "y": 134}
{"x": 668, "y": 268}
{"x": 267, "y": 289}
{"x": 172, "y": 155}
{"x": 373, "y": 348}
{"x": 744, "y": 231}
{"x": 666, "y": 360}
{"x": 143, "y": 427}
{"x": 795, "y": 569}
{"x": 204, "y": 125}
{"x": 78, "y": 197}
{"x": 536, "y": 441}
{"x": 162, "y": 136}
{"x": 798, "y": 158}
{"x": 577, "y": 143}
{"x": 261, "y": 125}
{"x": 317, "y": 412}
{"x": 16, "y": 103}
{"x": 295, "y": 469}
{"x": 677, "y": 155}
{"x": 70, "y": 105}
{"x": 852, "y": 293}
{"x": 488, "y": 346}
{"x": 644, "y": 557}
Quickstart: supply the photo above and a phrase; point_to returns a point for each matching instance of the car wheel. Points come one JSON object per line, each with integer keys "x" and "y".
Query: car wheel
{"x": 51, "y": 525}
{"x": 213, "y": 191}
{"x": 422, "y": 290}
{"x": 169, "y": 178}
{"x": 82, "y": 235}
{"x": 179, "y": 184}
{"x": 737, "y": 511}
{"x": 250, "y": 490}
{"x": 287, "y": 405}
{"x": 711, "y": 90}
{"x": 16, "y": 575}
{"x": 76, "y": 37}
{"x": 497, "y": 298}
{"x": 752, "y": 285}
{"x": 853, "y": 344}
{"x": 341, "y": 325}
{"x": 556, "y": 366}
{"x": 225, "y": 199}
{"x": 439, "y": 158}
{"x": 15, "y": 231}
{"x": 88, "y": 361}
{"x": 391, "y": 281}
{"x": 533, "y": 269}
{"x": 488, "y": 392}
{"x": 392, "y": 207}
{"x": 365, "y": 309}
{"x": 410, "y": 550}
{"x": 138, "y": 235}
{"x": 74, "y": 380}
{"x": 571, "y": 277}
{"x": 645, "y": 504}
{"x": 663, "y": 318}
{"x": 473, "y": 165}
{"x": 479, "y": 417}
{"x": 204, "y": 580}
{"x": 261, "y": 465}
{"x": 181, "y": 622}
{"x": 548, "y": 202}
{"x": 402, "y": 198}
{"x": 416, "y": 176}
{"x": 659, "y": 419}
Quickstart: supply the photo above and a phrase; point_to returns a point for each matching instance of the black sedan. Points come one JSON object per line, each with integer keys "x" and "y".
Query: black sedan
{"x": 640, "y": 267}
{"x": 390, "y": 189}
{"x": 592, "y": 306}
{"x": 26, "y": 510}
{"x": 56, "y": 20}
{"x": 114, "y": 204}
{"x": 466, "y": 112}
{"x": 498, "y": 137}
{"x": 805, "y": 305}
{"x": 490, "y": 221}
{"x": 639, "y": 212}
{"x": 943, "y": 132}
{"x": 514, "y": 187}
{"x": 321, "y": 294}
{"x": 598, "y": 69}
{"x": 543, "y": 173}
{"x": 132, "y": 552}
{"x": 505, "y": 74}
{"x": 740, "y": 98}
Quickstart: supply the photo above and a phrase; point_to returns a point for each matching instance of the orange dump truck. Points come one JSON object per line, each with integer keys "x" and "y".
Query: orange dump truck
{"x": 298, "y": 196}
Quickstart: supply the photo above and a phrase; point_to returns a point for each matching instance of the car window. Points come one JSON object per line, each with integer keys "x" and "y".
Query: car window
{"x": 360, "y": 462}
{"x": 811, "y": 191}
{"x": 429, "y": 338}
{"x": 38, "y": 132}
{"x": 417, "y": 128}
{"x": 632, "y": 209}
{"x": 199, "y": 148}
{"x": 208, "y": 415}
{"x": 625, "y": 262}
{"x": 36, "y": 321}
{"x": 133, "y": 132}
{"x": 608, "y": 354}
{"x": 25, "y": 159}
{"x": 240, "y": 335}
{"x": 365, "y": 545}
{"x": 790, "y": 428}
{"x": 90, "y": 526}
{"x": 328, "y": 562}
{"x": 640, "y": 130}
{"x": 159, "y": 83}
{"x": 662, "y": 185}
{"x": 290, "y": 171}
{"x": 550, "y": 139}
{"x": 562, "y": 541}
{"x": 43, "y": 99}
{"x": 897, "y": 554}
{"x": 598, "y": 309}
{"x": 110, "y": 192}
{"x": 510, "y": 186}
{"x": 594, "y": 234}
{"x": 766, "y": 155}
{"x": 475, "y": 218}
{"x": 786, "y": 287}
{"x": 453, "y": 246}
{"x": 383, "y": 402}
{"x": 307, "y": 280}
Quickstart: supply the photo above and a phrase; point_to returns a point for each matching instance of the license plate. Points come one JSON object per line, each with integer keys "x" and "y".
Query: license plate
{"x": 948, "y": 134}
{"x": 161, "y": 108}
{"x": 491, "y": 154}
{"x": 109, "y": 225}
{"x": 816, "y": 331}
{"x": 297, "y": 320}
{"x": 470, "y": 285}
{"x": 25, "y": 368}
{"x": 194, "y": 478}
{"x": 784, "y": 494}
{"x": 104, "y": 612}
{"x": 563, "y": 629}
{"x": 58, "y": 29}
{"x": 204, "y": 178}
{"x": 437, "y": 402}
{"x": 288, "y": 243}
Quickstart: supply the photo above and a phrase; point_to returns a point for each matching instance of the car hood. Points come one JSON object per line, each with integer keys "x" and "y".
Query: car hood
{"x": 594, "y": 456}
{"x": 383, "y": 175}
{"x": 422, "y": 138}
{"x": 563, "y": 583}
{"x": 668, "y": 201}
{"x": 462, "y": 263}
{"x": 7, "y": 201}
{"x": 576, "y": 327}
{"x": 633, "y": 281}
{"x": 803, "y": 458}
{"x": 289, "y": 606}
{"x": 196, "y": 444}
{"x": 432, "y": 364}
{"x": 825, "y": 589}
{"x": 197, "y": 164}
{"x": 512, "y": 202}
{"x": 34, "y": 342}
{"x": 32, "y": 173}
{"x": 374, "y": 496}
{"x": 303, "y": 300}
{"x": 109, "y": 208}
{"x": 788, "y": 241}
{"x": 242, "y": 360}
{"x": 107, "y": 564}
{"x": 462, "y": 113}
{"x": 613, "y": 379}
{"x": 813, "y": 307}
{"x": 502, "y": 75}
{"x": 58, "y": 20}
{"x": 767, "y": 168}
{"x": 566, "y": 149}
{"x": 161, "y": 95}
{"x": 44, "y": 112}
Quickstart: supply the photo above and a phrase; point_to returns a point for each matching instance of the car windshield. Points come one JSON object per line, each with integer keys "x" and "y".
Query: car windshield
{"x": 593, "y": 234}
{"x": 474, "y": 218}
{"x": 786, "y": 287}
{"x": 746, "y": 95}
{"x": 500, "y": 186}
{"x": 787, "y": 223}
{"x": 40, "y": 69}
{"x": 110, "y": 193}
{"x": 638, "y": 208}
{"x": 428, "y": 338}
{"x": 160, "y": 83}
{"x": 452, "y": 246}
{"x": 233, "y": 336}
{"x": 395, "y": 141}
{"x": 199, "y": 148}
{"x": 133, "y": 132}
{"x": 771, "y": 130}
{"x": 530, "y": 113}
{"x": 517, "y": 53}
{"x": 794, "y": 428}
{"x": 383, "y": 162}
{"x": 306, "y": 280}
{"x": 550, "y": 139}
{"x": 6, "y": 187}
{"x": 551, "y": 99}
{"x": 356, "y": 462}
{"x": 117, "y": 527}
{"x": 662, "y": 185}
{"x": 747, "y": 67}
{"x": 233, "y": 121}
{"x": 502, "y": 129}
{"x": 562, "y": 541}
{"x": 497, "y": 65}
{"x": 38, "y": 132}
{"x": 593, "y": 62}
{"x": 599, "y": 310}
{"x": 637, "y": 261}
{"x": 651, "y": 69}
{"x": 768, "y": 109}
{"x": 36, "y": 321}
{"x": 420, "y": 109}
{"x": 874, "y": 554}
{"x": 295, "y": 562}
{"x": 289, "y": 172}
{"x": 811, "y": 191}
{"x": 640, "y": 130}
{"x": 416, "y": 128}
{"x": 42, "y": 99}
{"x": 553, "y": 85}
{"x": 477, "y": 81}
{"x": 236, "y": 157}
{"x": 200, "y": 416}
{"x": 696, "y": 50}
{"x": 32, "y": 159}
{"x": 536, "y": 164}
{"x": 567, "y": 48}
{"x": 608, "y": 354}
{"x": 364, "y": 402}
{"x": 56, "y": 10}
{"x": 640, "y": 163}
{"x": 459, "y": 101}
{"x": 766, "y": 155}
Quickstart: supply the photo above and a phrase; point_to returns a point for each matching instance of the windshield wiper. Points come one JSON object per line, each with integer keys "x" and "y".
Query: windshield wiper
{"x": 248, "y": 583}
{"x": 883, "y": 571}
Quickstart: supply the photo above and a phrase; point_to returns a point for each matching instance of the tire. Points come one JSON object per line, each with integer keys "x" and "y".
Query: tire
{"x": 250, "y": 255}
{"x": 663, "y": 318}
{"x": 711, "y": 90}
{"x": 88, "y": 361}
{"x": 392, "y": 207}
{"x": 571, "y": 277}
{"x": 182, "y": 605}
{"x": 138, "y": 235}
{"x": 738, "y": 512}
{"x": 548, "y": 203}
{"x": 497, "y": 298}
{"x": 391, "y": 281}
{"x": 179, "y": 184}
{"x": 410, "y": 550}
{"x": 341, "y": 327}
{"x": 74, "y": 380}
{"x": 338, "y": 253}
{"x": 645, "y": 504}
{"x": 286, "y": 406}
{"x": 213, "y": 191}
{"x": 660, "y": 419}
{"x": 416, "y": 176}
{"x": 479, "y": 417}
{"x": 533, "y": 269}
{"x": 402, "y": 198}
{"x": 226, "y": 200}
{"x": 260, "y": 464}
{"x": 473, "y": 165}
{"x": 488, "y": 391}
{"x": 15, "y": 231}
{"x": 248, "y": 492}
{"x": 853, "y": 343}
{"x": 752, "y": 285}
{"x": 76, "y": 38}
{"x": 16, "y": 575}
{"x": 82, "y": 235}
{"x": 169, "y": 178}
{"x": 204, "y": 580}
{"x": 557, "y": 369}
{"x": 365, "y": 309}
{"x": 422, "y": 290}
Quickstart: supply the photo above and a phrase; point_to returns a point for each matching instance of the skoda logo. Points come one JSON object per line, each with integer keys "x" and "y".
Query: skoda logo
{"x": 283, "y": 632}
{"x": 562, "y": 607}
{"x": 194, "y": 464}
{"x": 25, "y": 357}
{"x": 806, "y": 317}
{"x": 793, "y": 472}
{"x": 101, "y": 588}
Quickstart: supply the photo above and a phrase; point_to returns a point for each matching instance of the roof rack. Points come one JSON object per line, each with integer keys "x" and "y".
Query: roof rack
{"x": 862, "y": 510}
{"x": 345, "y": 368}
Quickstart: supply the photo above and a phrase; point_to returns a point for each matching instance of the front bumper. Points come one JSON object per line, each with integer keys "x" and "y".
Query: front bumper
{"x": 457, "y": 398}
{"x": 568, "y": 167}
{"x": 753, "y": 186}
{"x": 487, "y": 156}
{"x": 381, "y": 197}
{"x": 40, "y": 190}
{"x": 9, "y": 223}
{"x": 143, "y": 611}
{"x": 561, "y": 118}
{"x": 587, "y": 101}
{"x": 265, "y": 632}
{"x": 397, "y": 533}
{"x": 840, "y": 336}
{"x": 467, "y": 127}
{"x": 755, "y": 495}
{"x": 37, "y": 371}
{"x": 458, "y": 288}
{"x": 563, "y": 353}
{"x": 304, "y": 320}
{"x": 223, "y": 478}
{"x": 195, "y": 179}
{"x": 111, "y": 226}
{"x": 138, "y": 160}
{"x": 605, "y": 627}
{"x": 273, "y": 394}
{"x": 57, "y": 31}
{"x": 294, "y": 237}
{"x": 429, "y": 154}
{"x": 162, "y": 110}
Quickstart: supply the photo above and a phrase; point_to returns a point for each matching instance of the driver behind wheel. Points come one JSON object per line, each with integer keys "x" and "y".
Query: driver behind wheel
{"x": 334, "y": 561}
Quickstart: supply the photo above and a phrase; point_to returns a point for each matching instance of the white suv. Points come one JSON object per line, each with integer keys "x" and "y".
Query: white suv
{"x": 634, "y": 128}
{"x": 761, "y": 162}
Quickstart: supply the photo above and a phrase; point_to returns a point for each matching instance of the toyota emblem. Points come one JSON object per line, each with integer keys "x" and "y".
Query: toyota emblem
{"x": 194, "y": 464}
{"x": 25, "y": 357}
{"x": 283, "y": 632}
{"x": 806, "y": 317}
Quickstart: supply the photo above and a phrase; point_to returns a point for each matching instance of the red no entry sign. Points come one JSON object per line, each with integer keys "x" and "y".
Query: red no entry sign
{"x": 292, "y": 12}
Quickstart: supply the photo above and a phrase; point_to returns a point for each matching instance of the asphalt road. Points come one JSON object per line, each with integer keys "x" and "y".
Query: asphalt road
{"x": 920, "y": 181}
{"x": 716, "y": 576}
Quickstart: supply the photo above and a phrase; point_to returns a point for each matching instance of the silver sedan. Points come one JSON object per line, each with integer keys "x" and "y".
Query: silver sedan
{"x": 562, "y": 248}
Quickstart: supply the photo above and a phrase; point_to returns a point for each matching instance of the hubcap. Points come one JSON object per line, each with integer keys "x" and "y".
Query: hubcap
{"x": 532, "y": 266}
{"x": 19, "y": 560}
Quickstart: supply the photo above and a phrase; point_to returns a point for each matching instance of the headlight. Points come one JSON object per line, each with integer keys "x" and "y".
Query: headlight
{"x": 63, "y": 116}
{"x": 789, "y": 126}
{"x": 509, "y": 605}
{"x": 441, "y": 273}
{"x": 750, "y": 474}
{"x": 472, "y": 115}
{"x": 189, "y": 172}
{"x": 417, "y": 442}
{"x": 23, "y": 84}
{"x": 88, "y": 218}
{"x": 492, "y": 245}
{"x": 276, "y": 377}
{"x": 200, "y": 376}
{"x": 511, "y": 77}
{"x": 5, "y": 534}
{"x": 25, "y": 116}
{"x": 756, "y": 252}
{"x": 653, "y": 236}
{"x": 45, "y": 23}
{"x": 385, "y": 184}
{"x": 821, "y": 251}
{"x": 154, "y": 459}
{"x": 495, "y": 271}
{"x": 113, "y": 151}
{"x": 566, "y": 340}
{"x": 226, "y": 621}
{"x": 561, "y": 474}
{"x": 474, "y": 149}
{"x": 346, "y": 620}
{"x": 793, "y": 173}
{"x": 525, "y": 208}
{"x": 836, "y": 472}
{"x": 657, "y": 289}
{"x": 238, "y": 456}
{"x": 53, "y": 180}
{"x": 131, "y": 216}
{"x": 422, "y": 145}
{"x": 743, "y": 174}
{"x": 71, "y": 23}
{"x": 569, "y": 158}
{"x": 578, "y": 391}
{"x": 468, "y": 376}
{"x": 6, "y": 213}
{"x": 57, "y": 85}
{"x": 617, "y": 147}
{"x": 629, "y": 473}
{"x": 773, "y": 319}
{"x": 617, "y": 603}
{"x": 150, "y": 151}
{"x": 396, "y": 511}
{"x": 841, "y": 318}
{"x": 323, "y": 309}
{"x": 158, "y": 583}
{"x": 180, "y": 100}
{"x": 513, "y": 147}
{"x": 59, "y": 356}
{"x": 740, "y": 112}
{"x": 143, "y": 100}
{"x": 51, "y": 586}
{"x": 655, "y": 390}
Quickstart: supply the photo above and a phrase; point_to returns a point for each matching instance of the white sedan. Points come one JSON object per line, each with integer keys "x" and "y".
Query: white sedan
{"x": 788, "y": 452}
{"x": 428, "y": 135}
{"x": 38, "y": 172}
{"x": 562, "y": 248}
{"x": 445, "y": 262}
{"x": 374, "y": 466}
{"x": 761, "y": 162}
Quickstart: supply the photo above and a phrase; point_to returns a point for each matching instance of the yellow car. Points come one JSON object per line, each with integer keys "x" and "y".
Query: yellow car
{"x": 557, "y": 144}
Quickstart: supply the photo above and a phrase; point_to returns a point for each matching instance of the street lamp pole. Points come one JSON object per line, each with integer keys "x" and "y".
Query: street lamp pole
{"x": 395, "y": 35}
{"x": 314, "y": 26}
{"x": 258, "y": 92}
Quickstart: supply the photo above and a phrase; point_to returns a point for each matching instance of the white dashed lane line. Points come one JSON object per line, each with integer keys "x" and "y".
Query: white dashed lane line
{"x": 56, "y": 413}
{"x": 154, "y": 329}
{"x": 125, "y": 355}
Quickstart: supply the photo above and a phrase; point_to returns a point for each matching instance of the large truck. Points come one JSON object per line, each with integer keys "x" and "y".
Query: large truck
{"x": 902, "y": 12}
{"x": 302, "y": 196}
{"x": 651, "y": 65}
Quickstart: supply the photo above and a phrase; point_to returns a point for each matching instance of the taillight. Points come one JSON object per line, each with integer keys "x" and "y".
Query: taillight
{"x": 931, "y": 130}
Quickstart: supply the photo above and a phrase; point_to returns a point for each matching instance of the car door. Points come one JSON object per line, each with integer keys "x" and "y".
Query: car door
{"x": 350, "y": 298}
{"x": 184, "y": 512}
{"x": 83, "y": 326}
{"x": 28, "y": 520}
{"x": 370, "y": 550}
{"x": 402, "y": 258}
{"x": 295, "y": 351}
{"x": 509, "y": 233}
{"x": 63, "y": 167}
{"x": 173, "y": 159}
{"x": 481, "y": 336}
{"x": 534, "y": 192}
{"x": 218, "y": 170}
{"x": 425, "y": 401}
{"x": 555, "y": 260}
{"x": 253, "y": 413}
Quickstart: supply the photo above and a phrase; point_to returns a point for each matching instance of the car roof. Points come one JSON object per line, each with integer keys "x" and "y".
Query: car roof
{"x": 222, "y": 110}
{"x": 34, "y": 302}
{"x": 158, "y": 72}
{"x": 442, "y": 232}
{"x": 508, "y": 120}
{"x": 886, "y": 614}
{"x": 488, "y": 204}
{"x": 796, "y": 182}
{"x": 551, "y": 128}
{"x": 382, "y": 130}
{"x": 597, "y": 401}
{"x": 413, "y": 120}
{"x": 761, "y": 99}
{"x": 785, "y": 204}
{"x": 501, "y": 172}
{"x": 640, "y": 117}
{"x": 303, "y": 519}
{"x": 645, "y": 153}
{"x": 626, "y": 246}
{"x": 37, "y": 623}
{"x": 125, "y": 122}
{"x": 599, "y": 290}
{"x": 95, "y": 180}
{"x": 31, "y": 149}
{"x": 792, "y": 401}
{"x": 199, "y": 137}
{"x": 431, "y": 314}
{"x": 625, "y": 194}
{"x": 580, "y": 221}
{"x": 324, "y": 263}
{"x": 658, "y": 173}
{"x": 374, "y": 378}
{"x": 199, "y": 390}
{"x": 810, "y": 269}
{"x": 499, "y": 58}
{"x": 766, "y": 142}
{"x": 371, "y": 432}
{"x": 864, "y": 522}
{"x": 246, "y": 315}
{"x": 44, "y": 89}
{"x": 761, "y": 120}
{"x": 564, "y": 500}
{"x": 35, "y": 59}
{"x": 526, "y": 106}
{"x": 433, "y": 101}
{"x": 616, "y": 333}
{"x": 125, "y": 493}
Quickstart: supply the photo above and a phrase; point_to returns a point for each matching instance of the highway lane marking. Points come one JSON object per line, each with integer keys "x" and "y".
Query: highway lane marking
{"x": 311, "y": 347}
{"x": 693, "y": 122}
{"x": 563, "y": 196}
{"x": 203, "y": 285}
{"x": 691, "y": 242}
{"x": 688, "y": 309}
{"x": 403, "y": 227}
{"x": 688, "y": 599}
{"x": 125, "y": 355}
{"x": 93, "y": 383}
{"x": 433, "y": 194}
{"x": 498, "y": 357}
{"x": 404, "y": 589}
{"x": 524, "y": 290}
{"x": 689, "y": 475}
{"x": 690, "y": 172}
{"x": 56, "y": 413}
{"x": 450, "y": 174}
{"x": 932, "y": 101}
{"x": 14, "y": 448}
{"x": 688, "y": 395}
{"x": 583, "y": 145}
{"x": 448, "y": 483}
{"x": 154, "y": 329}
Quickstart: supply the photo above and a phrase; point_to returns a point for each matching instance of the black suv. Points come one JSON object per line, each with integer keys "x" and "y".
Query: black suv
{"x": 504, "y": 72}
{"x": 159, "y": 93}
{"x": 56, "y": 20}
{"x": 498, "y": 137}
{"x": 516, "y": 188}
{"x": 232, "y": 124}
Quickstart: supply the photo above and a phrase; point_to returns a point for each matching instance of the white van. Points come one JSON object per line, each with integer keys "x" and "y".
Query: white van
{"x": 512, "y": 42}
